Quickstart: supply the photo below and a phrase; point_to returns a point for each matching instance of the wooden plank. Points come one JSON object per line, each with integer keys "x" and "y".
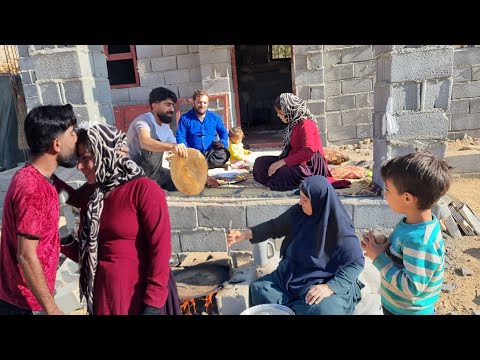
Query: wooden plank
{"x": 461, "y": 222}
{"x": 470, "y": 217}
{"x": 451, "y": 225}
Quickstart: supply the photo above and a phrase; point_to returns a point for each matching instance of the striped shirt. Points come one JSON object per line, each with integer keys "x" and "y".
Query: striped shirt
{"x": 412, "y": 288}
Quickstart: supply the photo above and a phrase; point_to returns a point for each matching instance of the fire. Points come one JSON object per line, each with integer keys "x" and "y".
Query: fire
{"x": 189, "y": 306}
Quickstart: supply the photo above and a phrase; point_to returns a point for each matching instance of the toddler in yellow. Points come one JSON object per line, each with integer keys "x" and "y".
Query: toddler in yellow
{"x": 238, "y": 159}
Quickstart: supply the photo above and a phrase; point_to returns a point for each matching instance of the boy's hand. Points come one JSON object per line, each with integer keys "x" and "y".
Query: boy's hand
{"x": 371, "y": 248}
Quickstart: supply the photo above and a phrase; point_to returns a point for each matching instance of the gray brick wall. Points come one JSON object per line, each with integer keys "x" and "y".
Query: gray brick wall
{"x": 464, "y": 111}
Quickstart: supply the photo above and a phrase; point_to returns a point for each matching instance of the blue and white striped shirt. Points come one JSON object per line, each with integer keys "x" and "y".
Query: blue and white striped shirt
{"x": 414, "y": 287}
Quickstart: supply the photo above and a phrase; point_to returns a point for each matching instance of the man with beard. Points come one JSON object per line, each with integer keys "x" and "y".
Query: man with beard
{"x": 149, "y": 136}
{"x": 199, "y": 127}
{"x": 30, "y": 242}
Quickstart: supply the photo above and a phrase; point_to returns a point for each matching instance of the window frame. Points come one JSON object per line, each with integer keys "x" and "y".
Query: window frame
{"x": 124, "y": 56}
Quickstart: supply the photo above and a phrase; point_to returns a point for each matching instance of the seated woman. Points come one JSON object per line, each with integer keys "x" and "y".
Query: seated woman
{"x": 321, "y": 257}
{"x": 124, "y": 243}
{"x": 302, "y": 152}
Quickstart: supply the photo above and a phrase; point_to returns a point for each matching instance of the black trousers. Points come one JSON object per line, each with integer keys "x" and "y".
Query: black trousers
{"x": 9, "y": 309}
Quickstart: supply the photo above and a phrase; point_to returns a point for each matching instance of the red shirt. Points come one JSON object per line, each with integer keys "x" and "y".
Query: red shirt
{"x": 304, "y": 141}
{"x": 31, "y": 208}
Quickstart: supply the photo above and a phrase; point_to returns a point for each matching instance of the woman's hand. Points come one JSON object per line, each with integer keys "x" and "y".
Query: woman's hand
{"x": 275, "y": 166}
{"x": 317, "y": 293}
{"x": 371, "y": 248}
{"x": 234, "y": 236}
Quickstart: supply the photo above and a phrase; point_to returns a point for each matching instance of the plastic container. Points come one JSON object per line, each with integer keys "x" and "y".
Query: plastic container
{"x": 268, "y": 309}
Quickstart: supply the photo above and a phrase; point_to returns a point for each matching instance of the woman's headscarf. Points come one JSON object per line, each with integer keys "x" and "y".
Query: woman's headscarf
{"x": 295, "y": 111}
{"x": 112, "y": 170}
{"x": 322, "y": 243}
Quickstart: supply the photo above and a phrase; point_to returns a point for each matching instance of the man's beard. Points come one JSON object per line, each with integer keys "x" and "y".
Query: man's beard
{"x": 165, "y": 118}
{"x": 67, "y": 162}
{"x": 200, "y": 112}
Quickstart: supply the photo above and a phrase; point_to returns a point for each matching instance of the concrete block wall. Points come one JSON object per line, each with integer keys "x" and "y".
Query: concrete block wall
{"x": 60, "y": 74}
{"x": 464, "y": 113}
{"x": 349, "y": 74}
{"x": 176, "y": 67}
{"x": 308, "y": 81}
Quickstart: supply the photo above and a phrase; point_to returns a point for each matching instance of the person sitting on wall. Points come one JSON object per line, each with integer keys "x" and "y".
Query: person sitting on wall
{"x": 198, "y": 129}
{"x": 302, "y": 152}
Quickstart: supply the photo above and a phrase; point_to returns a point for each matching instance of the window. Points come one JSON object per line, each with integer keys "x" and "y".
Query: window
{"x": 122, "y": 66}
{"x": 278, "y": 52}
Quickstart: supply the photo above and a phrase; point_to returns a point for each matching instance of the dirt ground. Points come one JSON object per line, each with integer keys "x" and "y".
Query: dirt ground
{"x": 464, "y": 253}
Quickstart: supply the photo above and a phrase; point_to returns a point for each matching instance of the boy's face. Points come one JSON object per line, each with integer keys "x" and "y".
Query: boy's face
{"x": 397, "y": 202}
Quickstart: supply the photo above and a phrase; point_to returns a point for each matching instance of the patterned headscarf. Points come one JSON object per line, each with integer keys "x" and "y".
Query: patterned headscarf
{"x": 112, "y": 170}
{"x": 295, "y": 111}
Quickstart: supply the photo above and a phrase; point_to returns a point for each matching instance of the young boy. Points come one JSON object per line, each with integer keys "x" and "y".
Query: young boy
{"x": 238, "y": 159}
{"x": 411, "y": 262}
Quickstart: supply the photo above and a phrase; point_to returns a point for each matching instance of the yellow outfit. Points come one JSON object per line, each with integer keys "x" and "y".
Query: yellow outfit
{"x": 237, "y": 152}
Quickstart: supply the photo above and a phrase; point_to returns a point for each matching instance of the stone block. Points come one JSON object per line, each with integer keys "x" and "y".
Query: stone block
{"x": 363, "y": 69}
{"x": 148, "y": 51}
{"x": 188, "y": 61}
{"x": 164, "y": 63}
{"x": 332, "y": 88}
{"x": 357, "y": 116}
{"x": 307, "y": 77}
{"x": 182, "y": 216}
{"x": 219, "y": 216}
{"x": 463, "y": 73}
{"x": 358, "y": 53}
{"x": 257, "y": 214}
{"x": 343, "y": 102}
{"x": 169, "y": 50}
{"x": 332, "y": 57}
{"x": 356, "y": 85}
{"x": 338, "y": 72}
{"x": 203, "y": 240}
{"x": 466, "y": 90}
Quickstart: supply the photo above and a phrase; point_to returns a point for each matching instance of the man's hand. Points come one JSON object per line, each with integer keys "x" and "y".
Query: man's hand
{"x": 180, "y": 150}
{"x": 212, "y": 182}
{"x": 123, "y": 151}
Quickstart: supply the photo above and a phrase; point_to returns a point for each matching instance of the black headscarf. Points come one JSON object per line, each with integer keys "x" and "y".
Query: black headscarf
{"x": 112, "y": 170}
{"x": 322, "y": 243}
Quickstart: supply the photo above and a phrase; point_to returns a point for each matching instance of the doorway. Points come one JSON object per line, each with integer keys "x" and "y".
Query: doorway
{"x": 263, "y": 73}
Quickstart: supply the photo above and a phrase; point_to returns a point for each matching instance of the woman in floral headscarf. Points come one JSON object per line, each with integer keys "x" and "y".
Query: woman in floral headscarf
{"x": 302, "y": 152}
{"x": 124, "y": 241}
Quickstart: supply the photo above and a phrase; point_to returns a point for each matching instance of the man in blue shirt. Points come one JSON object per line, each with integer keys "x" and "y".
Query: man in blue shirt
{"x": 199, "y": 127}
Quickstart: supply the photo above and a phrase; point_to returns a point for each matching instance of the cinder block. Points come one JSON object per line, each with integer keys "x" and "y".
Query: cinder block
{"x": 365, "y": 131}
{"x": 188, "y": 61}
{"x": 364, "y": 100}
{"x": 476, "y": 72}
{"x": 303, "y": 49}
{"x": 367, "y": 216}
{"x": 342, "y": 133}
{"x": 356, "y": 85}
{"x": 195, "y": 74}
{"x": 193, "y": 49}
{"x": 164, "y": 63}
{"x": 333, "y": 119}
{"x": 219, "y": 216}
{"x": 406, "y": 96}
{"x": 463, "y": 73}
{"x": 421, "y": 64}
{"x": 182, "y": 217}
{"x": 437, "y": 94}
{"x": 307, "y": 77}
{"x": 332, "y": 88}
{"x": 466, "y": 90}
{"x": 424, "y": 125}
{"x": 362, "y": 69}
{"x": 475, "y": 107}
{"x": 358, "y": 53}
{"x": 30, "y": 90}
{"x": 332, "y": 57}
{"x": 177, "y": 76}
{"x": 153, "y": 79}
{"x": 106, "y": 113}
{"x": 458, "y": 107}
{"x": 300, "y": 62}
{"x": 169, "y": 50}
{"x": 144, "y": 66}
{"x": 316, "y": 107}
{"x": 186, "y": 90}
{"x": 342, "y": 102}
{"x": 77, "y": 91}
{"x": 317, "y": 92}
{"x": 466, "y": 56}
{"x": 120, "y": 96}
{"x": 464, "y": 122}
{"x": 233, "y": 299}
{"x": 139, "y": 95}
{"x": 315, "y": 61}
{"x": 203, "y": 240}
{"x": 50, "y": 93}
{"x": 22, "y": 50}
{"x": 217, "y": 86}
{"x": 338, "y": 72}
{"x": 148, "y": 51}
{"x": 176, "y": 246}
{"x": 357, "y": 116}
{"x": 61, "y": 65}
{"x": 221, "y": 70}
{"x": 257, "y": 214}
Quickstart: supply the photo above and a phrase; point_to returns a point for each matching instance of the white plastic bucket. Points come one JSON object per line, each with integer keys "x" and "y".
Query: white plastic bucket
{"x": 268, "y": 309}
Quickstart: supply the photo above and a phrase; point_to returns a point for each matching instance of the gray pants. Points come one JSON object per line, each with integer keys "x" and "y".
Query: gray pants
{"x": 151, "y": 162}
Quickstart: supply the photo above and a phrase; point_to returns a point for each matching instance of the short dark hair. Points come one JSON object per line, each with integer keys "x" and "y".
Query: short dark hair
{"x": 236, "y": 133}
{"x": 421, "y": 174}
{"x": 44, "y": 123}
{"x": 159, "y": 94}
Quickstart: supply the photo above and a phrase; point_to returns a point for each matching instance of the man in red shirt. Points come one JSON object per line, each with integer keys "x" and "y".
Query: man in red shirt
{"x": 30, "y": 242}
